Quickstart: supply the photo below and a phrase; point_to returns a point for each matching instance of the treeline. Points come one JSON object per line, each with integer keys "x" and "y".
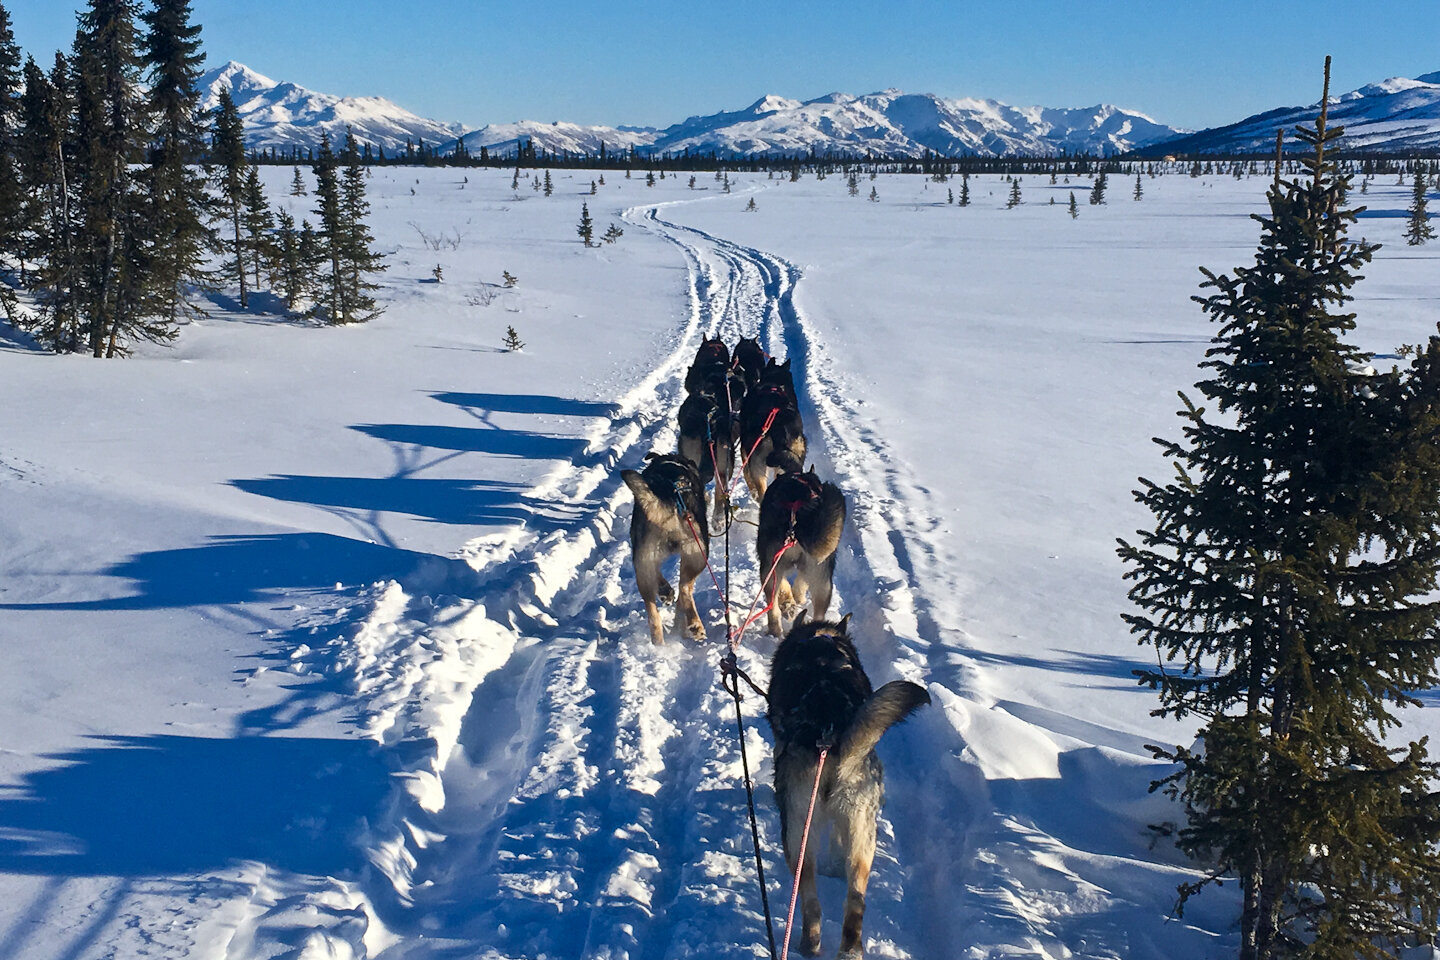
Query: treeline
{"x": 118, "y": 192}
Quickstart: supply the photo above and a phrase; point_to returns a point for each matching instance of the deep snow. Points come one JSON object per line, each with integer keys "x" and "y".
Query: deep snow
{"x": 323, "y": 642}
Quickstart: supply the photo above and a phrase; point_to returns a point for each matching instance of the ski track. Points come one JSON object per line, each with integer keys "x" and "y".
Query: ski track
{"x": 585, "y": 787}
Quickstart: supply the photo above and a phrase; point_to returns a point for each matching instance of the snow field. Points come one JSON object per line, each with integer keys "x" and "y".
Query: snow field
{"x": 378, "y": 579}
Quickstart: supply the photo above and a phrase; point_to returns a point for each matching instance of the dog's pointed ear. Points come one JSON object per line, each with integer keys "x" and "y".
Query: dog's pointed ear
{"x": 652, "y": 455}
{"x": 800, "y": 618}
{"x": 845, "y": 624}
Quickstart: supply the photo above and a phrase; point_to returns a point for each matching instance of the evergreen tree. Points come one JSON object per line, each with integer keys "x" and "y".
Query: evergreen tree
{"x": 1418, "y": 230}
{"x": 964, "y": 200}
{"x": 874, "y": 195}
{"x": 114, "y": 249}
{"x": 512, "y": 340}
{"x": 45, "y": 182}
{"x": 290, "y": 268}
{"x": 174, "y": 186}
{"x": 297, "y": 184}
{"x": 358, "y": 253}
{"x": 1097, "y": 192}
{"x": 258, "y": 221}
{"x": 1140, "y": 191}
{"x": 1074, "y": 209}
{"x": 330, "y": 238}
{"x": 549, "y": 186}
{"x": 586, "y": 227}
{"x": 1287, "y": 584}
{"x": 12, "y": 222}
{"x": 1014, "y": 199}
{"x": 227, "y": 151}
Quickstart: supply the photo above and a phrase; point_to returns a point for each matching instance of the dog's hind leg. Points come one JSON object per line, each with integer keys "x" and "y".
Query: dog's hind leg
{"x": 692, "y": 563}
{"x": 857, "y": 879}
{"x": 757, "y": 475}
{"x": 809, "y": 898}
{"x": 653, "y": 588}
{"x": 819, "y": 577}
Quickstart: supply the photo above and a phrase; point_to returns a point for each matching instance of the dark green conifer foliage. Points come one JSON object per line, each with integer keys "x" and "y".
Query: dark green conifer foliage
{"x": 346, "y": 256}
{"x": 361, "y": 257}
{"x": 1287, "y": 588}
{"x": 227, "y": 152}
{"x": 259, "y": 221}
{"x": 114, "y": 248}
{"x": 174, "y": 184}
{"x": 11, "y": 195}
{"x": 1074, "y": 208}
{"x": 297, "y": 184}
{"x": 1014, "y": 200}
{"x": 1097, "y": 192}
{"x": 1140, "y": 190}
{"x": 1418, "y": 230}
{"x": 964, "y": 200}
{"x": 45, "y": 177}
{"x": 586, "y": 227}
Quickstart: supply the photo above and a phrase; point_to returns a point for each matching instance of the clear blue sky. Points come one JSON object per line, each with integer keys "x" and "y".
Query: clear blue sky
{"x": 1191, "y": 64}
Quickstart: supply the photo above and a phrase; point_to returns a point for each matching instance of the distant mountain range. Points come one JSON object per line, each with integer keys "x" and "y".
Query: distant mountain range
{"x": 1397, "y": 115}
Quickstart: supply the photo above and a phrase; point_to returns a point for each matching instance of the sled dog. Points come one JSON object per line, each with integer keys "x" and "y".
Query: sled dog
{"x": 707, "y": 439}
{"x": 770, "y": 426}
{"x": 797, "y": 505}
{"x": 820, "y": 695}
{"x": 712, "y": 355}
{"x": 669, "y": 518}
{"x": 748, "y": 359}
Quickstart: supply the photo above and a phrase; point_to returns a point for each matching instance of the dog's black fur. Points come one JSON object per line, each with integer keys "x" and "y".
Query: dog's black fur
{"x": 669, "y": 518}
{"x": 708, "y": 433}
{"x": 712, "y": 355}
{"x": 797, "y": 504}
{"x": 748, "y": 359}
{"x": 820, "y": 695}
{"x": 785, "y": 436}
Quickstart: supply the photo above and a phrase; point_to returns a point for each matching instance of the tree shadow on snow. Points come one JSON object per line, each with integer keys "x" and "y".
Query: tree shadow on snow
{"x": 242, "y": 569}
{"x": 147, "y": 806}
{"x": 486, "y": 403}
{"x": 505, "y": 443}
{"x": 467, "y": 502}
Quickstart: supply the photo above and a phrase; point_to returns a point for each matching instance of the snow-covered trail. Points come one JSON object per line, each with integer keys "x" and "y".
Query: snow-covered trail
{"x": 572, "y": 791}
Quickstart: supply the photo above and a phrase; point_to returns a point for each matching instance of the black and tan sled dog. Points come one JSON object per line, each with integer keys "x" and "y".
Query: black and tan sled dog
{"x": 820, "y": 695}
{"x": 669, "y": 518}
{"x": 770, "y": 426}
{"x": 797, "y": 505}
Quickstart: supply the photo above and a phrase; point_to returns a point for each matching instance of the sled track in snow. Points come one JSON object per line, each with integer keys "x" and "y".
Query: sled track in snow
{"x": 572, "y": 791}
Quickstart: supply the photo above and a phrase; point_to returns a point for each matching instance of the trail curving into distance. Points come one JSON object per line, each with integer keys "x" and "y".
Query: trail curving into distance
{"x": 570, "y": 790}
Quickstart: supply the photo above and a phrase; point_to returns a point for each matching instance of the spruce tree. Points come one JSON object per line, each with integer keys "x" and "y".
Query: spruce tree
{"x": 227, "y": 151}
{"x": 1140, "y": 190}
{"x": 44, "y": 170}
{"x": 1074, "y": 209}
{"x": 357, "y": 254}
{"x": 330, "y": 238}
{"x": 175, "y": 187}
{"x": 297, "y": 184}
{"x": 586, "y": 227}
{"x": 258, "y": 221}
{"x": 1286, "y": 587}
{"x": 114, "y": 249}
{"x": 964, "y": 200}
{"x": 1418, "y": 229}
{"x": 1097, "y": 192}
{"x": 11, "y": 195}
{"x": 1014, "y": 199}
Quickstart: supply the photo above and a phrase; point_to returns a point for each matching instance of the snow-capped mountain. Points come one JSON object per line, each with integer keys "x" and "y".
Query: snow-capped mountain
{"x": 1393, "y": 115}
{"x": 503, "y": 139}
{"x": 893, "y": 123}
{"x": 282, "y": 115}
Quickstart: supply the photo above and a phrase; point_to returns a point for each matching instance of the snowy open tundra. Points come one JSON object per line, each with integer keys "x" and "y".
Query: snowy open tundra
{"x": 323, "y": 642}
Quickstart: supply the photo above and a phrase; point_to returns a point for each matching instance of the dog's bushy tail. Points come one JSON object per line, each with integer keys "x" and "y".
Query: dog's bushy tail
{"x": 821, "y": 535}
{"x": 883, "y": 709}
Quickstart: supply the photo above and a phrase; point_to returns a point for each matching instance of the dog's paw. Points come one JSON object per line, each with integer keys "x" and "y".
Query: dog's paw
{"x": 695, "y": 629}
{"x": 667, "y": 592}
{"x": 810, "y": 945}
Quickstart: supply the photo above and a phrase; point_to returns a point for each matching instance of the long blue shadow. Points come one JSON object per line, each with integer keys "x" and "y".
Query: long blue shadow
{"x": 470, "y": 502}
{"x": 528, "y": 403}
{"x": 505, "y": 443}
{"x": 236, "y": 569}
{"x": 148, "y": 806}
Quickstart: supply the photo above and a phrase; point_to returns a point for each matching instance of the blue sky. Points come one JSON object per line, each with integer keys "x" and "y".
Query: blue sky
{"x": 1194, "y": 64}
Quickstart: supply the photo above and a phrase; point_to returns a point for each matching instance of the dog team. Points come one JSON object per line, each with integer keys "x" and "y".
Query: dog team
{"x": 821, "y": 704}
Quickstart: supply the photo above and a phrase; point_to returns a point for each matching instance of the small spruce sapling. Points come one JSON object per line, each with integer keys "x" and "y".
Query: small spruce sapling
{"x": 613, "y": 233}
{"x": 874, "y": 195}
{"x": 1074, "y": 209}
{"x": 1418, "y": 230}
{"x": 1014, "y": 199}
{"x": 586, "y": 227}
{"x": 512, "y": 340}
{"x": 508, "y": 279}
{"x": 438, "y": 274}
{"x": 750, "y": 207}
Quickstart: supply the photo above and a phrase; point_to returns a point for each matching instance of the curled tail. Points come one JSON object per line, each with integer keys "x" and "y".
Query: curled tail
{"x": 883, "y": 709}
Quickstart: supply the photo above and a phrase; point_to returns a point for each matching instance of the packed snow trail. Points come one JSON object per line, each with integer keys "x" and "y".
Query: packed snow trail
{"x": 570, "y": 790}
